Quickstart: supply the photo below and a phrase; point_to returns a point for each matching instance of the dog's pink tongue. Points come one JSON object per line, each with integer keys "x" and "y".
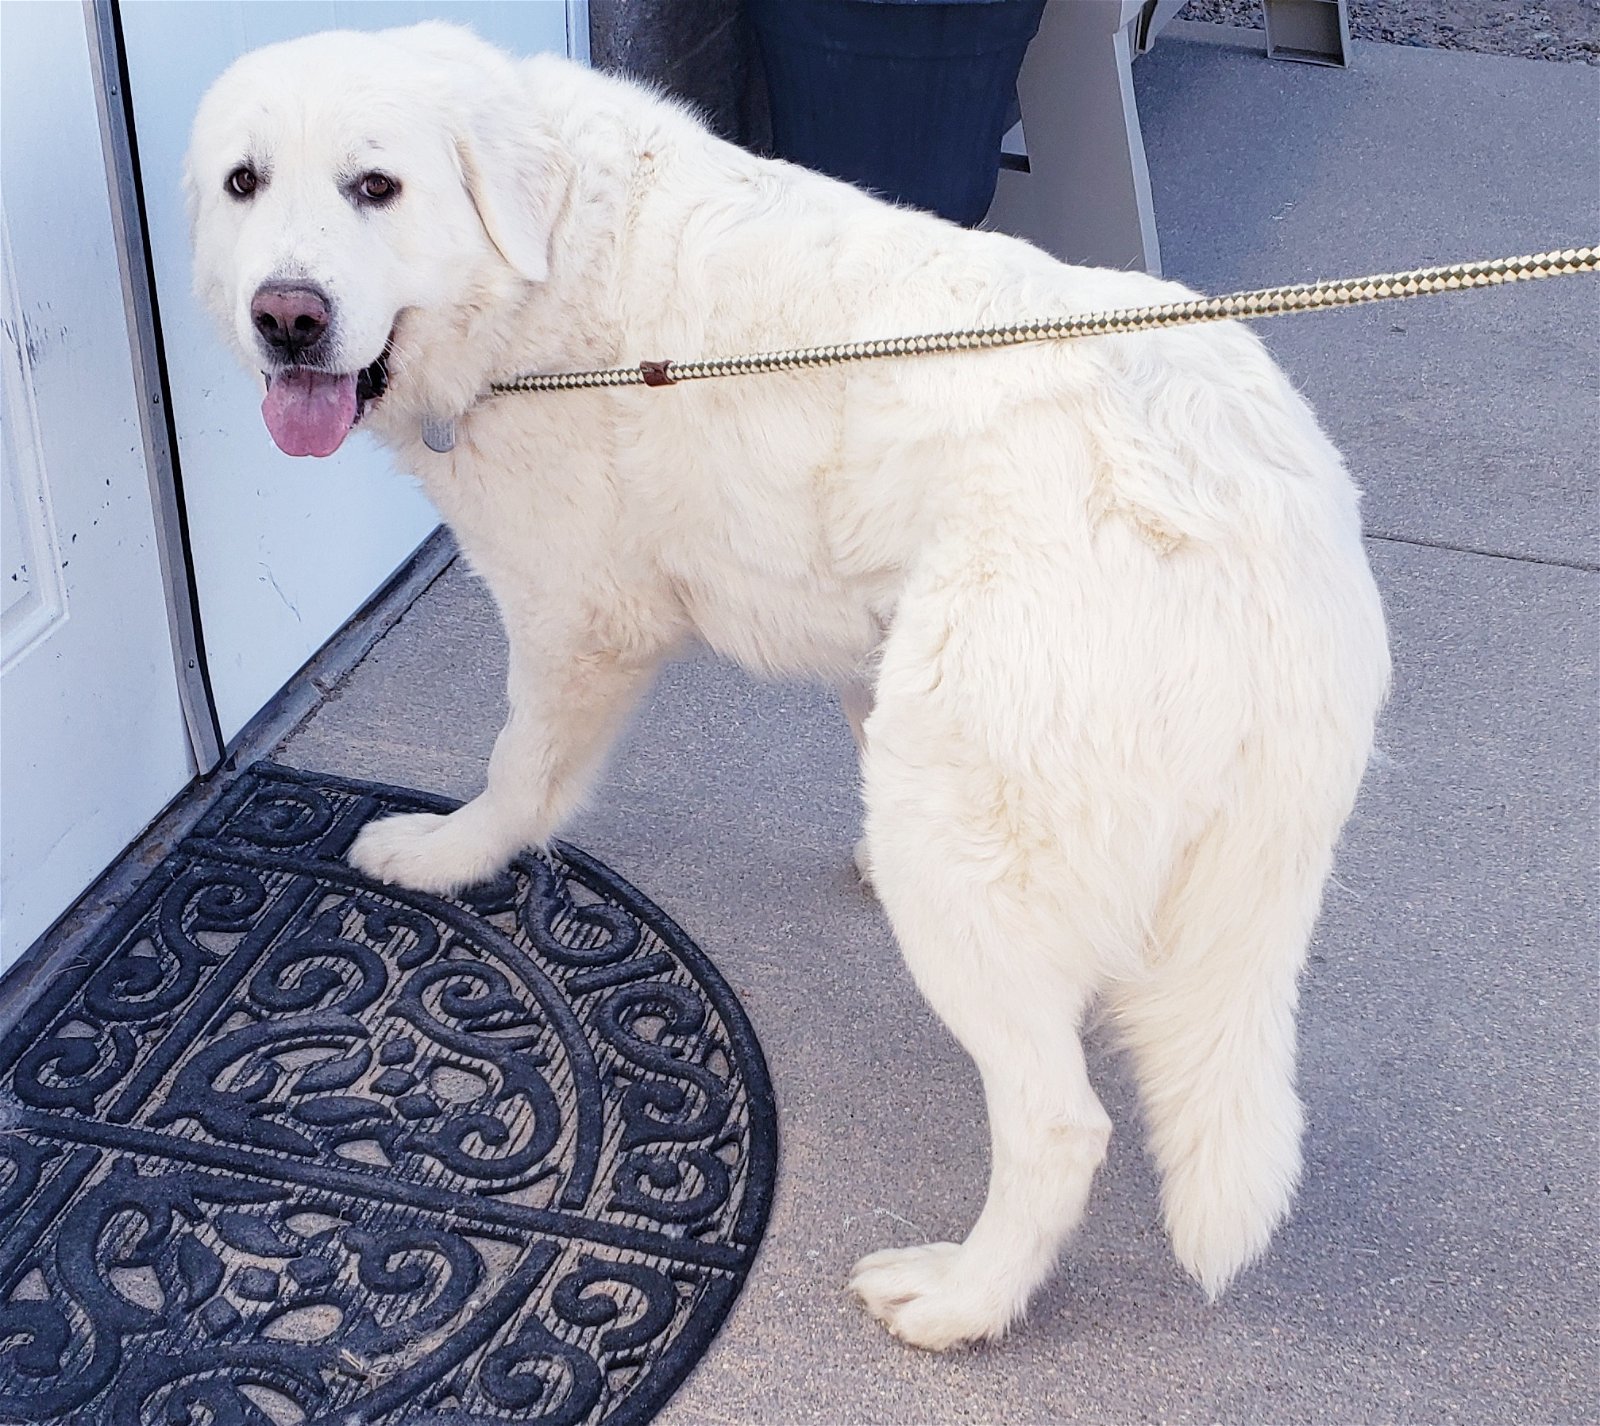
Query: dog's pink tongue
{"x": 309, "y": 413}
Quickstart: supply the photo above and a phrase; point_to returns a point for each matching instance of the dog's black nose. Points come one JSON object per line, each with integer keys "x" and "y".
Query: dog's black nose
{"x": 291, "y": 317}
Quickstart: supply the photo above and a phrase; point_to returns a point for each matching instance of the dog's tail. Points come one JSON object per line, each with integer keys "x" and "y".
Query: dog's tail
{"x": 1211, "y": 1024}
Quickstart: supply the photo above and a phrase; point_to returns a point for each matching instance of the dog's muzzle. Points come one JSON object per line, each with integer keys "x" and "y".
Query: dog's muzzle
{"x": 309, "y": 412}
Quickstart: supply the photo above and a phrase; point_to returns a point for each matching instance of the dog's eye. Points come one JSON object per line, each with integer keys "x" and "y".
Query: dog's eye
{"x": 242, "y": 182}
{"x": 377, "y": 187}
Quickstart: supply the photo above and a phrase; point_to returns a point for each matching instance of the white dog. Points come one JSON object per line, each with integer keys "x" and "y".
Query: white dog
{"x": 1100, "y": 608}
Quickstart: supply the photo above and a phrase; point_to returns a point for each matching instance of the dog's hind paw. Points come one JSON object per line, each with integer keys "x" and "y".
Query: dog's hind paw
{"x": 929, "y": 1297}
{"x": 429, "y": 852}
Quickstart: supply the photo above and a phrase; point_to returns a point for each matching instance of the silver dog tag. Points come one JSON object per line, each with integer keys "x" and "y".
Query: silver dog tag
{"x": 438, "y": 435}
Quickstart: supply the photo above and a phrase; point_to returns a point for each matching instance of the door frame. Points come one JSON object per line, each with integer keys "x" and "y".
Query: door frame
{"x": 120, "y": 146}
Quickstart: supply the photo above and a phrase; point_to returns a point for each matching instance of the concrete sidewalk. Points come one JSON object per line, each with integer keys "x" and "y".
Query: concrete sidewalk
{"x": 1441, "y": 1264}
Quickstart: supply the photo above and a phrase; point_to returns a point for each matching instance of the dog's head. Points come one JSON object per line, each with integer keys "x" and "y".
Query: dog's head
{"x": 352, "y": 195}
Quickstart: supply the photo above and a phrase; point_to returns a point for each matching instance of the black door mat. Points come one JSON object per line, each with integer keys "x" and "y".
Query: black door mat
{"x": 287, "y": 1146}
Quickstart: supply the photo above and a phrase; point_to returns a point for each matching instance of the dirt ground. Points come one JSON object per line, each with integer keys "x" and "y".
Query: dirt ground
{"x": 1535, "y": 29}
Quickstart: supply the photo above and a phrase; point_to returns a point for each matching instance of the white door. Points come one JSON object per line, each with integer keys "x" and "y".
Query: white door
{"x": 284, "y": 550}
{"x": 92, "y": 740}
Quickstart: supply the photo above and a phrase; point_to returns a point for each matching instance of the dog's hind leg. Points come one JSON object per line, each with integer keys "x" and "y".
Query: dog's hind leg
{"x": 987, "y": 955}
{"x": 1211, "y": 1028}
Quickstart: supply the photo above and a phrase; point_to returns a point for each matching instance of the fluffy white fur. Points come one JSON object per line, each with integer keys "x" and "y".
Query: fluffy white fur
{"x": 1101, "y": 608}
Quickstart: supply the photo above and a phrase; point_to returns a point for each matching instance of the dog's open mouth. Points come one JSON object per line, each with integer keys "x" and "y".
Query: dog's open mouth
{"x": 310, "y": 412}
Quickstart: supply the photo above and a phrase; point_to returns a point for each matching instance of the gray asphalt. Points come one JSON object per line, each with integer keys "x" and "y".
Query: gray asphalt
{"x": 1441, "y": 1265}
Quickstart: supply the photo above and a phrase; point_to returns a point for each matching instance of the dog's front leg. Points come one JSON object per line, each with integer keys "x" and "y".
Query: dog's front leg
{"x": 565, "y": 709}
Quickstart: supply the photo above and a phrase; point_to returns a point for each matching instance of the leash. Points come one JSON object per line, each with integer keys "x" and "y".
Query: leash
{"x": 1262, "y": 302}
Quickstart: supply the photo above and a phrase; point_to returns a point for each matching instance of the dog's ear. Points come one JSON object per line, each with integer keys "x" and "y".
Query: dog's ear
{"x": 518, "y": 181}
{"x": 517, "y": 178}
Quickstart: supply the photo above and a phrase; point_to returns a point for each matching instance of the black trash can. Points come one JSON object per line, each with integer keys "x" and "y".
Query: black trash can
{"x": 908, "y": 98}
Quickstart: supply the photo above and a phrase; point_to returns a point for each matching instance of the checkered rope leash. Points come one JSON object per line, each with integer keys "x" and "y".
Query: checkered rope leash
{"x": 1263, "y": 302}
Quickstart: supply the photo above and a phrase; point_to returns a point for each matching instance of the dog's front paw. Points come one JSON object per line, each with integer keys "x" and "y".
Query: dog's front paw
{"x": 429, "y": 852}
{"x": 929, "y": 1297}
